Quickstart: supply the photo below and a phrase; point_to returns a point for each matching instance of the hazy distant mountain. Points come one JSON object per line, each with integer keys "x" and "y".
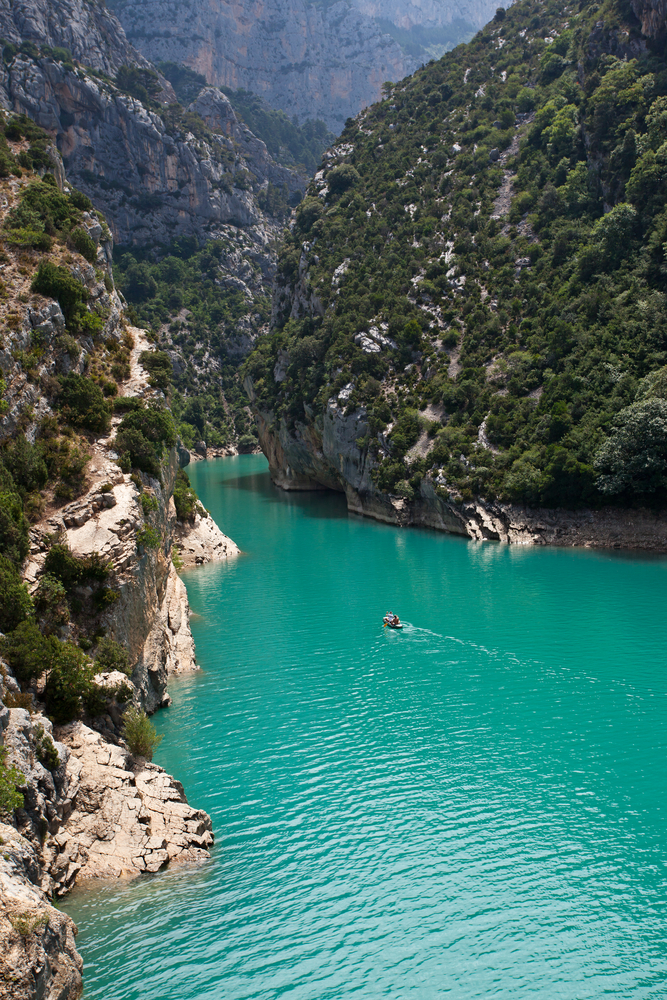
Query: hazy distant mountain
{"x": 311, "y": 59}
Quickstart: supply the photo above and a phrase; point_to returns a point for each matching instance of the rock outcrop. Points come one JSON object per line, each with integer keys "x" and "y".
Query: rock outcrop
{"x": 153, "y": 179}
{"x": 652, "y": 16}
{"x": 325, "y": 453}
{"x": 39, "y": 960}
{"x": 89, "y": 31}
{"x": 202, "y": 542}
{"x": 42, "y": 320}
{"x": 125, "y": 818}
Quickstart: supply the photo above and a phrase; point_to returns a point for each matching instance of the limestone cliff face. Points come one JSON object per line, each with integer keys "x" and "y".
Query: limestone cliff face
{"x": 408, "y": 14}
{"x": 652, "y": 16}
{"x": 324, "y": 452}
{"x": 153, "y": 181}
{"x": 37, "y": 941}
{"x": 314, "y": 61}
{"x": 88, "y": 30}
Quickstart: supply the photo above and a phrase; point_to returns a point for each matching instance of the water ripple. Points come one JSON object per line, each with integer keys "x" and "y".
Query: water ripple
{"x": 472, "y": 807}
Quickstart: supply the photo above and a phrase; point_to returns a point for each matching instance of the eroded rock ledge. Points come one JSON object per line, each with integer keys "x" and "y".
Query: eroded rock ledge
{"x": 323, "y": 453}
{"x": 37, "y": 941}
{"x": 126, "y": 818}
{"x": 202, "y": 542}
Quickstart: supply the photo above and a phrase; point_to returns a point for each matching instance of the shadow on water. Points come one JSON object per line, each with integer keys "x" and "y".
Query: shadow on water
{"x": 314, "y": 503}
{"x": 327, "y": 504}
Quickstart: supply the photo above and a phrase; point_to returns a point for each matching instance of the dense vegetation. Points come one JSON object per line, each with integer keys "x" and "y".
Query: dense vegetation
{"x": 286, "y": 140}
{"x": 525, "y": 328}
{"x": 183, "y": 292}
{"x": 55, "y": 636}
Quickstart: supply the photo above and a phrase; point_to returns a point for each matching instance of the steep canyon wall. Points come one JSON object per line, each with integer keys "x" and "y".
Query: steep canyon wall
{"x": 311, "y": 60}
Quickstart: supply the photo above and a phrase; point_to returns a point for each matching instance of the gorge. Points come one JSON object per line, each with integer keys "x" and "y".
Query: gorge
{"x": 451, "y": 316}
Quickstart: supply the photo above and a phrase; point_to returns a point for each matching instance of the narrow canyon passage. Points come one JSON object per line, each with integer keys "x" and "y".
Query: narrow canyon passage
{"x": 472, "y": 807}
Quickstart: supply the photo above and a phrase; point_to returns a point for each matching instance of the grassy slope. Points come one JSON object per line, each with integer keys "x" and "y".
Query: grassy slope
{"x": 521, "y": 340}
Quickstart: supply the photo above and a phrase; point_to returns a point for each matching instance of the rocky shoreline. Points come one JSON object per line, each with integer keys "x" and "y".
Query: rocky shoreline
{"x": 96, "y": 811}
{"x": 324, "y": 454}
{"x": 100, "y": 813}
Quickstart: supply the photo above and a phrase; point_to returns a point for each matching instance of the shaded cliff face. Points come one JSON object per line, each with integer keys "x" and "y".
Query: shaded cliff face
{"x": 652, "y": 15}
{"x": 89, "y": 31}
{"x": 428, "y": 13}
{"x": 311, "y": 60}
{"x": 153, "y": 178}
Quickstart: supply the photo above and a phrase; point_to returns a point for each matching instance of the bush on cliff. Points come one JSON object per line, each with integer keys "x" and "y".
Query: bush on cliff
{"x": 139, "y": 733}
{"x": 72, "y": 570}
{"x": 26, "y": 464}
{"x": 69, "y": 683}
{"x": 28, "y": 652}
{"x": 14, "y": 541}
{"x": 11, "y": 781}
{"x": 110, "y": 655}
{"x": 84, "y": 244}
{"x": 82, "y": 403}
{"x": 185, "y": 498}
{"x": 15, "y": 601}
{"x": 143, "y": 435}
{"x": 57, "y": 283}
{"x": 158, "y": 364}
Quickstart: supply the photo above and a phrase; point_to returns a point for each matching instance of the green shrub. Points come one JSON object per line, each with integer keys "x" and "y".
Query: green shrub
{"x": 51, "y": 601}
{"x": 149, "y": 503}
{"x": 158, "y": 363}
{"x": 185, "y": 498}
{"x": 82, "y": 403}
{"x": 143, "y": 434}
{"x": 15, "y": 601}
{"x": 57, "y": 283}
{"x": 343, "y": 177}
{"x": 148, "y": 538}
{"x": 72, "y": 570}
{"x": 84, "y": 244}
{"x": 69, "y": 682}
{"x": 11, "y": 780}
{"x": 143, "y": 84}
{"x": 634, "y": 457}
{"x": 80, "y": 200}
{"x": 14, "y": 540}
{"x": 28, "y": 652}
{"x": 110, "y": 655}
{"x": 105, "y": 597}
{"x": 46, "y": 750}
{"x": 139, "y": 733}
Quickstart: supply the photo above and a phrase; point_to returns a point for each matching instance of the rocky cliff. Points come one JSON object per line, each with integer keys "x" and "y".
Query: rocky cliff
{"x": 88, "y": 31}
{"x": 330, "y": 452}
{"x": 37, "y": 941}
{"x": 311, "y": 60}
{"x": 151, "y": 176}
{"x": 72, "y": 376}
{"x": 652, "y": 16}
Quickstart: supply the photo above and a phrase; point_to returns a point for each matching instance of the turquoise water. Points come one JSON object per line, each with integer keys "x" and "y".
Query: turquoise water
{"x": 473, "y": 807}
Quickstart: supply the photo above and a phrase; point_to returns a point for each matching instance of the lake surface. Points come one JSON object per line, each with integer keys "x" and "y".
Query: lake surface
{"x": 473, "y": 807}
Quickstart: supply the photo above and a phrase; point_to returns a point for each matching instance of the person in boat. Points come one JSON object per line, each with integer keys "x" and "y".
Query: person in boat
{"x": 392, "y": 619}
